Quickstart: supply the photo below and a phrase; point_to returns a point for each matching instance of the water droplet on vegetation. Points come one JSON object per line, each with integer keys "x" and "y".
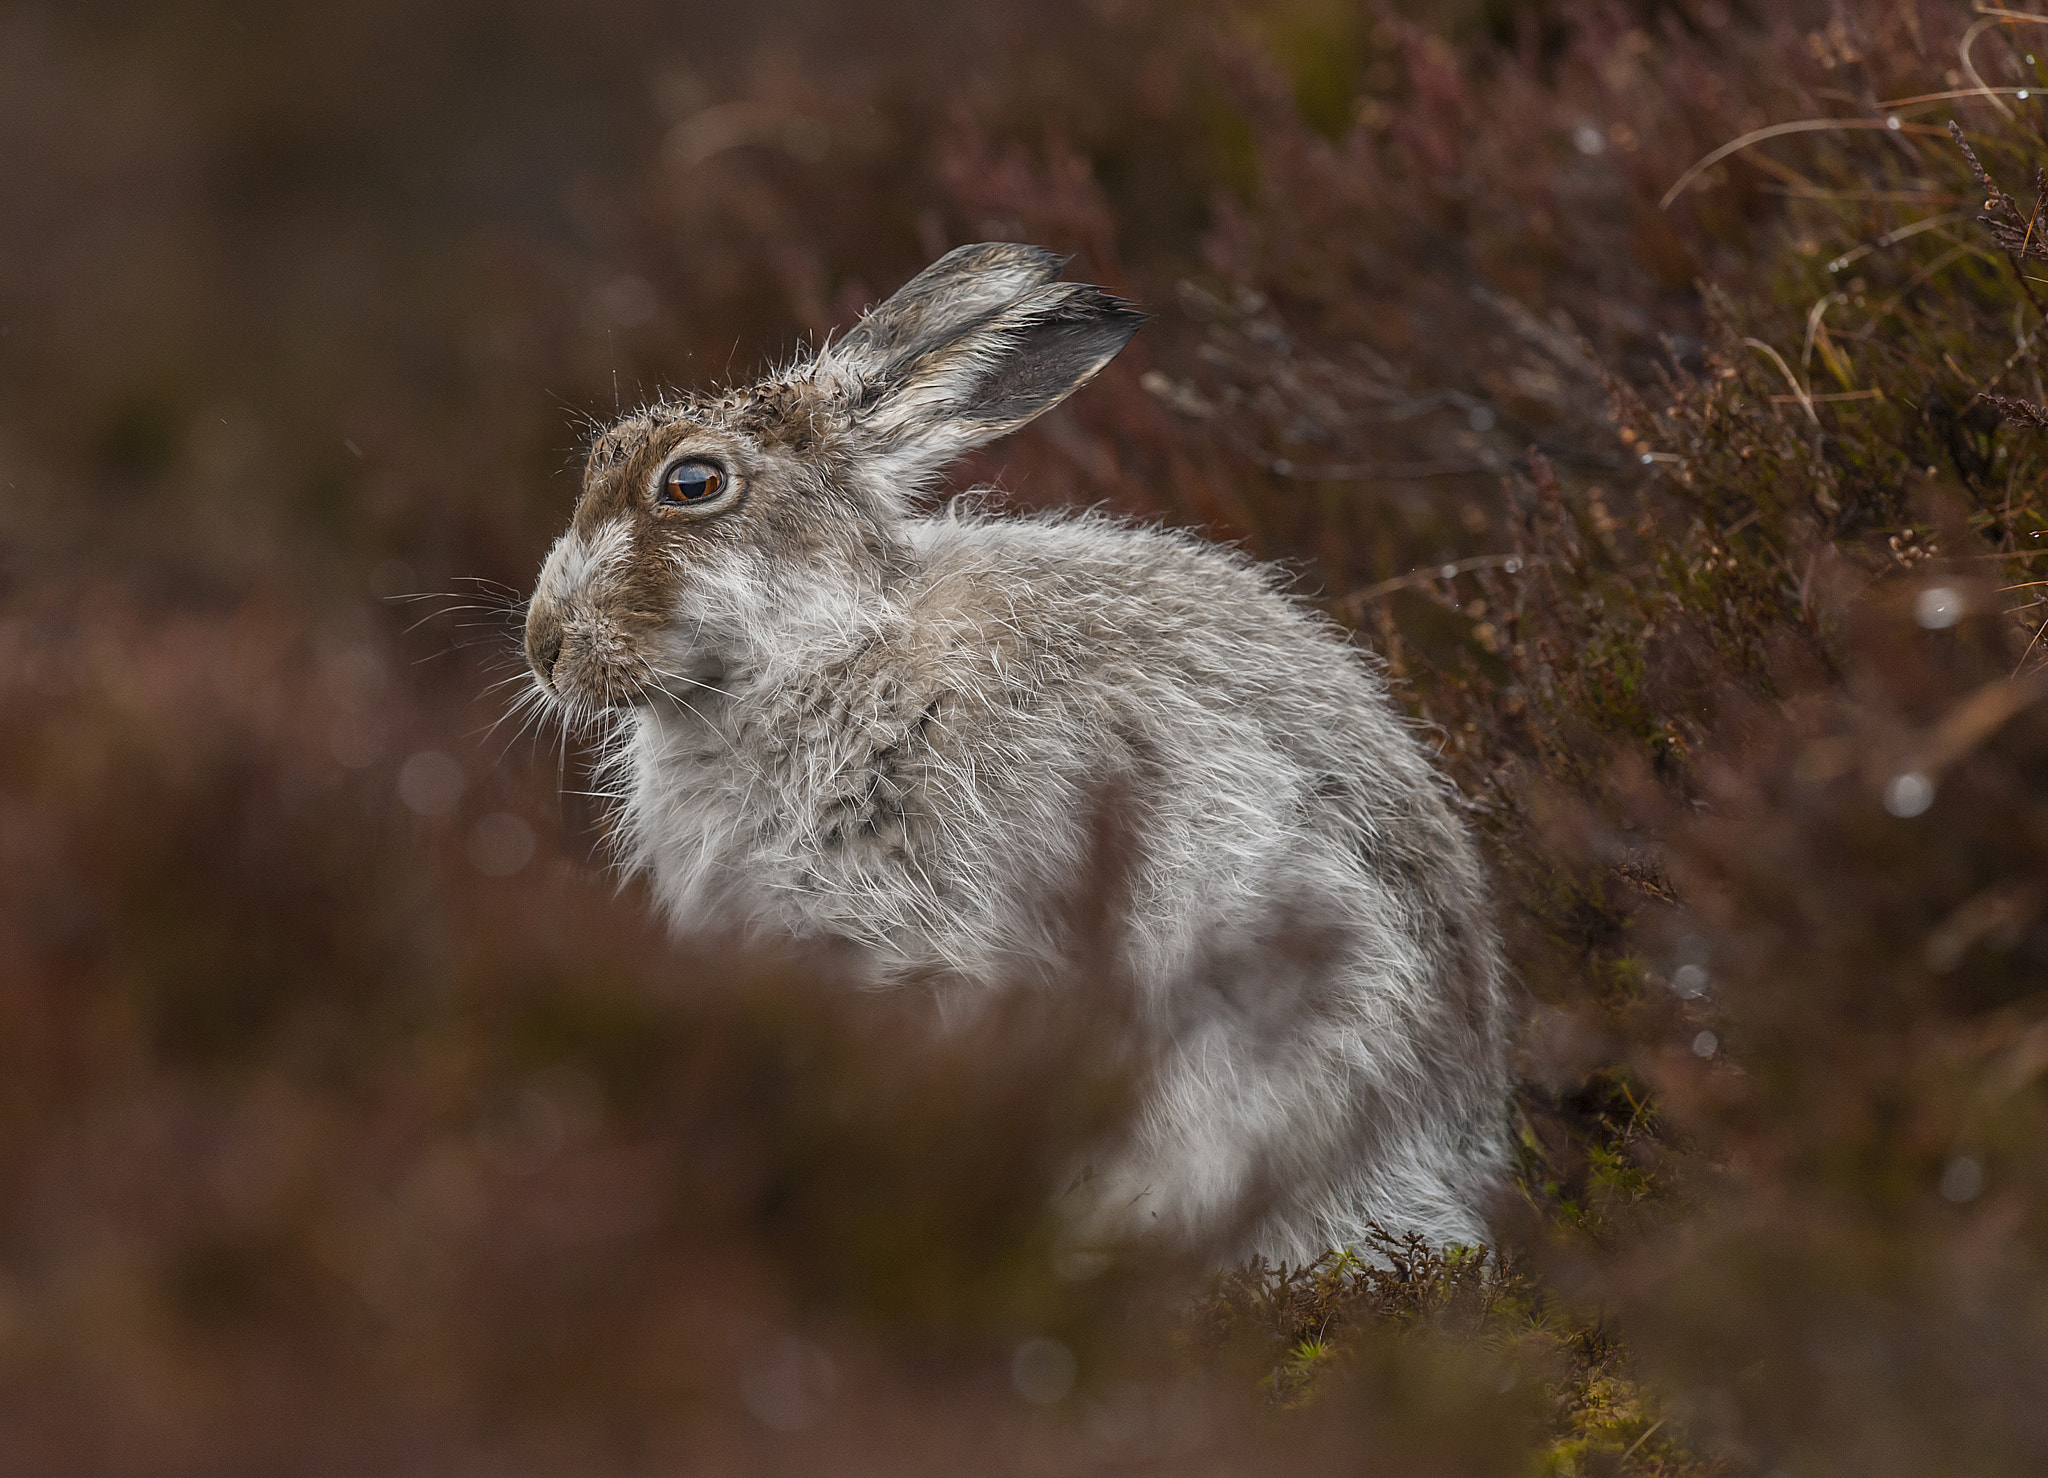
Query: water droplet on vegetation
{"x": 1449, "y": 572}
{"x": 787, "y": 1384}
{"x": 1588, "y": 139}
{"x": 1689, "y": 981}
{"x": 1962, "y": 1180}
{"x": 430, "y": 783}
{"x": 1647, "y": 458}
{"x": 1909, "y": 794}
{"x": 1938, "y": 607}
{"x": 500, "y": 844}
{"x": 1513, "y": 566}
{"x": 1705, "y": 1045}
{"x": 1043, "y": 1371}
{"x": 2021, "y": 94}
{"x": 1892, "y": 122}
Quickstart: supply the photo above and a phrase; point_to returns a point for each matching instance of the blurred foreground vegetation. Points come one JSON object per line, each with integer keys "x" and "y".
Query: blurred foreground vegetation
{"x": 351, "y": 1119}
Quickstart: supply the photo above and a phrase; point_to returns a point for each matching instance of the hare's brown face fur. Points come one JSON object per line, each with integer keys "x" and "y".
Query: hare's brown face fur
{"x": 646, "y": 596}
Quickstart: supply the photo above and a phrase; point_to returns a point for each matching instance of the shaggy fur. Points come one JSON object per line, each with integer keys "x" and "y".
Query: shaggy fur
{"x": 851, "y": 723}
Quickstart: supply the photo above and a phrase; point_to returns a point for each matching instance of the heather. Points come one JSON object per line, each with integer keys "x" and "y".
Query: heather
{"x": 357, "y": 1119}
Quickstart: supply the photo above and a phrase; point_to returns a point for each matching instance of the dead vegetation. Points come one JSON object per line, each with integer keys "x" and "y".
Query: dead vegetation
{"x": 351, "y": 1121}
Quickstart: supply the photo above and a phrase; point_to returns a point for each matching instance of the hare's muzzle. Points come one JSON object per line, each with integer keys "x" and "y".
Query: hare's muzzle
{"x": 543, "y": 643}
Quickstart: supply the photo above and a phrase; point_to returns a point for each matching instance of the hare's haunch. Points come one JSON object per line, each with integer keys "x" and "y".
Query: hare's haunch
{"x": 843, "y": 720}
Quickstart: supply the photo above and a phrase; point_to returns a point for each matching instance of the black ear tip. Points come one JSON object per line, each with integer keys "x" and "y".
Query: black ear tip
{"x": 1107, "y": 307}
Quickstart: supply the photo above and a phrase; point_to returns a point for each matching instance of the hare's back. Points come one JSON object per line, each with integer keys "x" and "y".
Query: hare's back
{"x": 1159, "y": 631}
{"x": 1259, "y": 749}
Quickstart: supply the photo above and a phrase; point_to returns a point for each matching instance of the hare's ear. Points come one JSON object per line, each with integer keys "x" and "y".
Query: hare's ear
{"x": 997, "y": 373}
{"x": 964, "y": 286}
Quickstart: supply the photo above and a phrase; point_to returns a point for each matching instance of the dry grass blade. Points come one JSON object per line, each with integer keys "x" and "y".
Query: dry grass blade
{"x": 2018, "y": 412}
{"x": 1893, "y": 238}
{"x": 1512, "y": 564}
{"x": 1979, "y": 716}
{"x": 1978, "y": 28}
{"x": 338, "y": 1136}
{"x": 1998, "y": 13}
{"x": 1955, "y": 94}
{"x": 1800, "y": 394}
{"x": 1781, "y": 130}
{"x": 1919, "y": 279}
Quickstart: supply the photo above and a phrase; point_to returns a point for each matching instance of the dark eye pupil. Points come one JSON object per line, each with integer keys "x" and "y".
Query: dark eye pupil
{"x": 691, "y": 482}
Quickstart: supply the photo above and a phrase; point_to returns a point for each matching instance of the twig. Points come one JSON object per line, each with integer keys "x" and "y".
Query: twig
{"x": 1642, "y": 1439}
{"x": 2030, "y": 648}
{"x": 2002, "y": 202}
{"x": 1514, "y": 564}
{"x": 1365, "y": 471}
{"x": 2010, "y": 408}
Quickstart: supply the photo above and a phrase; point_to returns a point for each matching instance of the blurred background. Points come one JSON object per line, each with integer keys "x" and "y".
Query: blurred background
{"x": 354, "y": 1118}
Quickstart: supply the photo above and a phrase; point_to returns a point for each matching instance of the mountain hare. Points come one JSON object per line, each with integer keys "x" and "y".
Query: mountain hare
{"x": 840, "y": 719}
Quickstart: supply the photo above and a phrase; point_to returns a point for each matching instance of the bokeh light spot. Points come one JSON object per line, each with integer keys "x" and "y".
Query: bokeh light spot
{"x": 1043, "y": 1371}
{"x": 500, "y": 844}
{"x": 1938, "y": 607}
{"x": 1909, "y": 795}
{"x": 1962, "y": 1179}
{"x": 430, "y": 783}
{"x": 787, "y": 1383}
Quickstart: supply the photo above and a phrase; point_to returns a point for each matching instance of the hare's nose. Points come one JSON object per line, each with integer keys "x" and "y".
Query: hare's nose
{"x": 544, "y": 649}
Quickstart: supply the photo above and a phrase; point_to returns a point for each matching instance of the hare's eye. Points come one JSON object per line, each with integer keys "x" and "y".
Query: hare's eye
{"x": 691, "y": 482}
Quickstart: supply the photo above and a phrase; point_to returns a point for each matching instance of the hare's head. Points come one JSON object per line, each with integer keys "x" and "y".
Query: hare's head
{"x": 717, "y": 530}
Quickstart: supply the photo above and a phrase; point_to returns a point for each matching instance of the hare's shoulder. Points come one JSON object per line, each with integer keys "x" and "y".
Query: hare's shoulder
{"x": 1086, "y": 572}
{"x": 1073, "y": 592}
